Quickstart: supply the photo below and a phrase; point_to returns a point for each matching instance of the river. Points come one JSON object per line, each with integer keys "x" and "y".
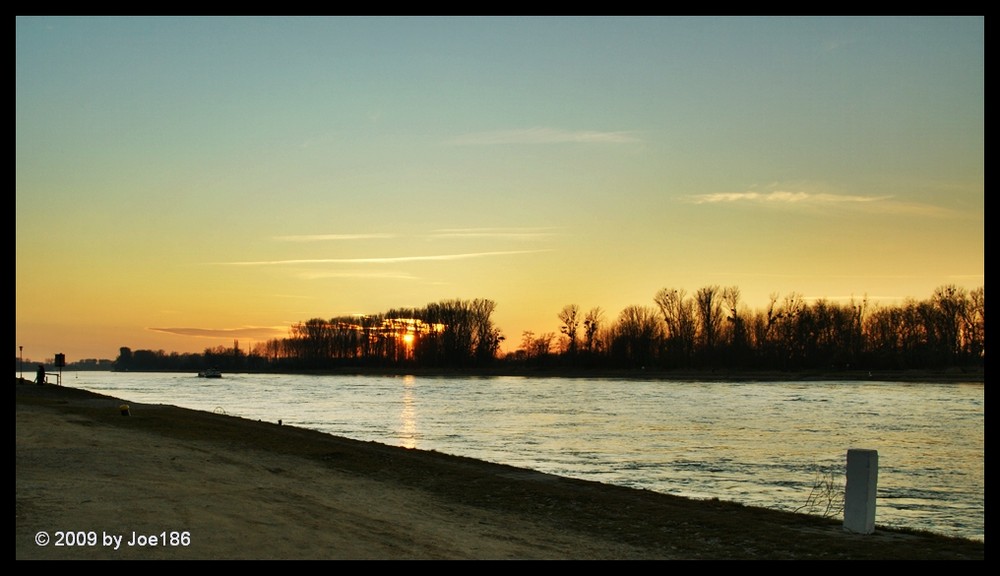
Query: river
{"x": 774, "y": 444}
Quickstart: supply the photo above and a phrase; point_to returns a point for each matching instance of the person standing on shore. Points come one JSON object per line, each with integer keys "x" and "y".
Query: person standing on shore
{"x": 40, "y": 375}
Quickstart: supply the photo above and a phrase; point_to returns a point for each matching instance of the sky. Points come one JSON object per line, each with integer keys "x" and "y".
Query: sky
{"x": 184, "y": 183}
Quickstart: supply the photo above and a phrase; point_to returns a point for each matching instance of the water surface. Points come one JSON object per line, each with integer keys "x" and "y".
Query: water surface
{"x": 759, "y": 443}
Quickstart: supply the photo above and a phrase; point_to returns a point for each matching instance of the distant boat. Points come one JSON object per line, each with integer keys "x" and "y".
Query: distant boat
{"x": 210, "y": 373}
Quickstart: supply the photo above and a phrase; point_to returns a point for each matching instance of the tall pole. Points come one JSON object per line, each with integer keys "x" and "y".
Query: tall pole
{"x": 20, "y": 360}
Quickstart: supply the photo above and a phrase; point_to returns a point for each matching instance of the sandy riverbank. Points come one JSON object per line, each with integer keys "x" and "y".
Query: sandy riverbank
{"x": 227, "y": 488}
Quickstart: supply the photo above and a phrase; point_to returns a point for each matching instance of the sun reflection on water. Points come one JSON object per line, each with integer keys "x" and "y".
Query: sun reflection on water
{"x": 408, "y": 416}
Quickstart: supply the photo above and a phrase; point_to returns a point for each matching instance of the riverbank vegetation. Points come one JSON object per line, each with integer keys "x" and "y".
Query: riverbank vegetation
{"x": 708, "y": 330}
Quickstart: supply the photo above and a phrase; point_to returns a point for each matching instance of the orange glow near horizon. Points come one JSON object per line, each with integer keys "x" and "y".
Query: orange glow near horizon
{"x": 180, "y": 183}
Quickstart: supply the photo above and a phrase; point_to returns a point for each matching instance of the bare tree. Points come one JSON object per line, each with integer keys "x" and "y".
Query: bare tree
{"x": 537, "y": 346}
{"x": 591, "y": 327}
{"x": 527, "y": 341}
{"x": 571, "y": 322}
{"x": 738, "y": 331}
{"x": 974, "y": 325}
{"x": 950, "y": 303}
{"x": 708, "y": 302}
{"x": 790, "y": 323}
{"x": 637, "y": 335}
{"x": 542, "y": 346}
{"x": 487, "y": 337}
{"x": 314, "y": 339}
{"x": 678, "y": 314}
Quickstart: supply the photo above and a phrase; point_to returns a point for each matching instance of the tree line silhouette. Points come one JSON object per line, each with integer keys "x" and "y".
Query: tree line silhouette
{"x": 708, "y": 329}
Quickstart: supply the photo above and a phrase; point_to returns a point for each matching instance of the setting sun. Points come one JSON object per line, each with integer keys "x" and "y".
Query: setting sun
{"x": 182, "y": 182}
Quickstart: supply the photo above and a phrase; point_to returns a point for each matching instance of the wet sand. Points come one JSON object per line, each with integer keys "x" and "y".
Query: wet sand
{"x": 170, "y": 483}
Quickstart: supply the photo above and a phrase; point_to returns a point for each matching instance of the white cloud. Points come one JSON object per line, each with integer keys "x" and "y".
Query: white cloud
{"x": 383, "y": 260}
{"x": 784, "y": 197}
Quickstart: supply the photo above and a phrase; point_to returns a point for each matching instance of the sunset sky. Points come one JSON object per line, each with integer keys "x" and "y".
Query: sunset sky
{"x": 182, "y": 183}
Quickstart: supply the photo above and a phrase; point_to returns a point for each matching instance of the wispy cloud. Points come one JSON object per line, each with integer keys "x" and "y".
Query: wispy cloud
{"x": 505, "y": 233}
{"x": 544, "y": 136}
{"x": 383, "y": 260}
{"x": 367, "y": 274}
{"x": 516, "y": 233}
{"x": 785, "y": 198}
{"x": 256, "y": 332}
{"x": 330, "y": 237}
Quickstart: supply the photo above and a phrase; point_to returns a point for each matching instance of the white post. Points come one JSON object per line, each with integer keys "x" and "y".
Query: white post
{"x": 859, "y": 497}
